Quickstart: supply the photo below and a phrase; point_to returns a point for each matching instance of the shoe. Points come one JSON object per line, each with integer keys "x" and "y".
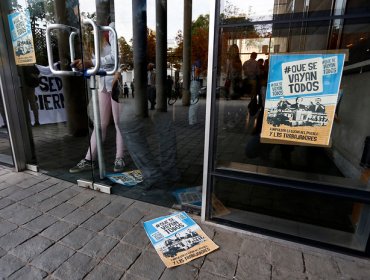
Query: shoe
{"x": 83, "y": 165}
{"x": 36, "y": 123}
{"x": 119, "y": 164}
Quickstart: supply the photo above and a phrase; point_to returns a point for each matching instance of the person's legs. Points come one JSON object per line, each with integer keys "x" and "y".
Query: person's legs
{"x": 119, "y": 164}
{"x": 105, "y": 111}
{"x": 31, "y": 97}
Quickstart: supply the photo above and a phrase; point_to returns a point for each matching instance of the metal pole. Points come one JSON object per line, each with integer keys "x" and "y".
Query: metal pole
{"x": 161, "y": 54}
{"x": 97, "y": 126}
{"x": 186, "y": 67}
{"x": 139, "y": 43}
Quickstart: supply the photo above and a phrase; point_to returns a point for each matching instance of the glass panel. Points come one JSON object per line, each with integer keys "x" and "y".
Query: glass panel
{"x": 242, "y": 110}
{"x": 5, "y": 148}
{"x": 164, "y": 141}
{"x": 235, "y": 11}
{"x": 55, "y": 105}
{"x": 239, "y": 127}
{"x": 312, "y": 216}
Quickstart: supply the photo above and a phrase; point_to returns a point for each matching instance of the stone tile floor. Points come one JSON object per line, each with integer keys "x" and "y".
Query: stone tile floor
{"x": 52, "y": 229}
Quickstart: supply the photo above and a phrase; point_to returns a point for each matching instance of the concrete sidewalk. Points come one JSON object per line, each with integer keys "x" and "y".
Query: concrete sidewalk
{"x": 55, "y": 230}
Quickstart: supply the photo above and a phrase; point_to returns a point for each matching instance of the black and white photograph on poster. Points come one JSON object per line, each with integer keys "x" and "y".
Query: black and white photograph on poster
{"x": 182, "y": 241}
{"x": 298, "y": 112}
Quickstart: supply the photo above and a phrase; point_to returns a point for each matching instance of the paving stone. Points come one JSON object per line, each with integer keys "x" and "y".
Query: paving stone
{"x": 283, "y": 274}
{"x": 78, "y": 216}
{"x": 132, "y": 215}
{"x": 137, "y": 237}
{"x": 122, "y": 256}
{"x": 49, "y": 204}
{"x": 256, "y": 248}
{"x": 321, "y": 265}
{"x": 52, "y": 258}
{"x": 52, "y": 191}
{"x": 28, "y": 273}
{"x": 205, "y": 275}
{"x": 355, "y": 269}
{"x": 182, "y": 272}
{"x": 62, "y": 210}
{"x": 97, "y": 222}
{"x": 33, "y": 201}
{"x": 228, "y": 241}
{"x": 29, "y": 182}
{"x": 82, "y": 198}
{"x": 40, "y": 223}
{"x": 99, "y": 246}
{"x": 31, "y": 248}
{"x": 14, "y": 238}
{"x": 148, "y": 265}
{"x": 66, "y": 194}
{"x": 9, "y": 191}
{"x": 6, "y": 227}
{"x": 117, "y": 229}
{"x": 58, "y": 230}
{"x": 75, "y": 267}
{"x": 248, "y": 266}
{"x": 221, "y": 262}
{"x": 104, "y": 271}
{"x": 39, "y": 187}
{"x": 2, "y": 252}
{"x": 208, "y": 230}
{"x": 77, "y": 238}
{"x": 21, "y": 194}
{"x": 129, "y": 276}
{"x": 19, "y": 214}
{"x": 8, "y": 265}
{"x": 116, "y": 208}
{"x": 4, "y": 202}
{"x": 285, "y": 258}
{"x": 97, "y": 203}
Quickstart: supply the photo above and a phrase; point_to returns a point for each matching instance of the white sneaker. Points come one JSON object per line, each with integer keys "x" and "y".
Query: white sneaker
{"x": 83, "y": 165}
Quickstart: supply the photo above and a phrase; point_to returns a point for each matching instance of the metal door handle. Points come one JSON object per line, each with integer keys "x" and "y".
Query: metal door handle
{"x": 114, "y": 43}
{"x": 73, "y": 32}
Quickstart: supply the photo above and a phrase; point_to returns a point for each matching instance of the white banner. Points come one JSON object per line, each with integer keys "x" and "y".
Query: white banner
{"x": 50, "y": 98}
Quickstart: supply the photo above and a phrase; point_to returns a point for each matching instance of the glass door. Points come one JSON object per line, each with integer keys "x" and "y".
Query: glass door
{"x": 54, "y": 99}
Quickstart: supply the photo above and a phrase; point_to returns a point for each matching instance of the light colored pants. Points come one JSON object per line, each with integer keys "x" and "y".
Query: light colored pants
{"x": 107, "y": 107}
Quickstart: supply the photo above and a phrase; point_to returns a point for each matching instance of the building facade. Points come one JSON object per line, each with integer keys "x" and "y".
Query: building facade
{"x": 218, "y": 151}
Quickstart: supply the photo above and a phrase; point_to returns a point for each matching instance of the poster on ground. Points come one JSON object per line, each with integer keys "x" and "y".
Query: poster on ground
{"x": 127, "y": 179}
{"x": 20, "y": 30}
{"x": 301, "y": 97}
{"x": 178, "y": 239}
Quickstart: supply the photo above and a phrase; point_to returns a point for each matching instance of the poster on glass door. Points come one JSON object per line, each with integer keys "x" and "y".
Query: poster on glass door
{"x": 301, "y": 98}
{"x": 20, "y": 30}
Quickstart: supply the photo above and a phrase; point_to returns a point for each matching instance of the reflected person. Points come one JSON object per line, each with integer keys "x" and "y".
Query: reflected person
{"x": 143, "y": 136}
{"x": 107, "y": 105}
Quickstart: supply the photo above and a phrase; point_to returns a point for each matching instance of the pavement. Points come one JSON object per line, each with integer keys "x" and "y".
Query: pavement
{"x": 53, "y": 229}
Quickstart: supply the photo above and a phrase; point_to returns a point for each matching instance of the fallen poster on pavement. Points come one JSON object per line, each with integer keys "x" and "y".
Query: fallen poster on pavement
{"x": 178, "y": 239}
{"x": 127, "y": 179}
{"x": 301, "y": 97}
